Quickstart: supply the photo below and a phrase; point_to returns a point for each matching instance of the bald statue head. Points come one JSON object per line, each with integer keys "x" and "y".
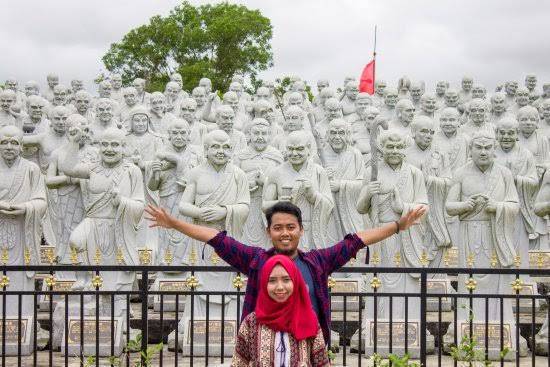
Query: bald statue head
{"x": 393, "y": 146}
{"x": 423, "y": 130}
{"x": 528, "y": 118}
{"x": 11, "y": 144}
{"x": 404, "y": 111}
{"x": 206, "y": 84}
{"x": 428, "y": 103}
{"x": 325, "y": 94}
{"x": 380, "y": 88}
{"x": 157, "y": 103}
{"x": 449, "y": 121}
{"x": 322, "y": 84}
{"x": 258, "y": 132}
{"x": 172, "y": 90}
{"x": 105, "y": 89}
{"x": 467, "y": 83}
{"x": 262, "y": 94}
{"x": 35, "y": 107}
{"x": 188, "y": 107}
{"x": 53, "y": 80}
{"x": 7, "y": 99}
{"x": 237, "y": 88}
{"x": 104, "y": 110}
{"x": 352, "y": 88}
{"x": 111, "y": 146}
{"x": 451, "y": 97}
{"x": 294, "y": 119}
{"x": 545, "y": 106}
{"x": 522, "y": 96}
{"x": 507, "y": 133}
{"x": 178, "y": 133}
{"x": 231, "y": 99}
{"x": 217, "y": 148}
{"x": 482, "y": 148}
{"x": 82, "y": 101}
{"x": 441, "y": 87}
{"x": 333, "y": 109}
{"x": 531, "y": 82}
{"x": 479, "y": 91}
{"x": 176, "y": 77}
{"x": 361, "y": 102}
{"x": 295, "y": 99}
{"x": 298, "y": 148}
{"x": 31, "y": 88}
{"x": 338, "y": 134}
{"x": 498, "y": 102}
{"x": 75, "y": 128}
{"x": 60, "y": 95}
{"x": 58, "y": 117}
{"x": 116, "y": 81}
{"x": 416, "y": 90}
{"x": 510, "y": 87}
{"x": 225, "y": 118}
{"x": 199, "y": 94}
{"x": 391, "y": 96}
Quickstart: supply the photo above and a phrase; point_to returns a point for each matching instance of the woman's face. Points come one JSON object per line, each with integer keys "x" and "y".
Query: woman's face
{"x": 279, "y": 284}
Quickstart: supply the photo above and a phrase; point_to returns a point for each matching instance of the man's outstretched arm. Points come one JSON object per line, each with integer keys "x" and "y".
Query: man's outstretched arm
{"x": 161, "y": 218}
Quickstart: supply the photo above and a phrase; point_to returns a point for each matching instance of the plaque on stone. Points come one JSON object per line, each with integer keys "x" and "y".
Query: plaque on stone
{"x": 61, "y": 285}
{"x": 345, "y": 286}
{"x": 47, "y": 254}
{"x": 397, "y": 340}
{"x": 539, "y": 259}
{"x": 493, "y": 329}
{"x": 439, "y": 286}
{"x": 87, "y": 326}
{"x": 169, "y": 301}
{"x": 14, "y": 338}
{"x": 215, "y": 334}
{"x": 528, "y": 288}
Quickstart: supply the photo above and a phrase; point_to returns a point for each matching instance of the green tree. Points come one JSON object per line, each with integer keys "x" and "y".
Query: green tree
{"x": 214, "y": 41}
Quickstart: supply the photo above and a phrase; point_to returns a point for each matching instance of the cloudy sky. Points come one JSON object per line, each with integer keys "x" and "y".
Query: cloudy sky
{"x": 491, "y": 40}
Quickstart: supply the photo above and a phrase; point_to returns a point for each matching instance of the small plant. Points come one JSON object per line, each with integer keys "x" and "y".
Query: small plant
{"x": 393, "y": 361}
{"x": 331, "y": 355}
{"x": 133, "y": 345}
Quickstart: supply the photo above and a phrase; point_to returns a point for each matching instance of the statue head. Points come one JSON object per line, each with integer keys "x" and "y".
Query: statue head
{"x": 300, "y": 87}
{"x": 231, "y": 99}
{"x": 511, "y": 87}
{"x": 392, "y": 145}
{"x": 112, "y": 143}
{"x": 361, "y": 102}
{"x": 391, "y": 97}
{"x": 531, "y": 82}
{"x": 352, "y": 88}
{"x": 36, "y": 106}
{"x": 259, "y": 134}
{"x": 482, "y": 148}
{"x": 298, "y": 148}
{"x": 423, "y": 130}
{"x": 82, "y": 100}
{"x": 225, "y": 118}
{"x": 58, "y": 117}
{"x": 75, "y": 124}
{"x": 104, "y": 110}
{"x": 172, "y": 90}
{"x": 105, "y": 89}
{"x": 507, "y": 130}
{"x": 139, "y": 84}
{"x": 428, "y": 103}
{"x": 59, "y": 95}
{"x": 545, "y": 106}
{"x": 217, "y": 147}
{"x": 322, "y": 84}
{"x": 440, "y": 87}
{"x": 522, "y": 96}
{"x": 333, "y": 109}
{"x": 479, "y": 91}
{"x": 449, "y": 121}
{"x": 157, "y": 103}
{"x": 199, "y": 94}
{"x": 263, "y": 94}
{"x": 348, "y": 79}
{"x": 178, "y": 133}
{"x": 371, "y": 113}
{"x": 237, "y": 78}
{"x": 295, "y": 99}
{"x": 294, "y": 119}
{"x": 467, "y": 83}
{"x": 533, "y": 96}
{"x": 76, "y": 85}
{"x": 176, "y": 77}
{"x": 236, "y": 88}
{"x": 416, "y": 90}
{"x": 11, "y": 143}
{"x": 269, "y": 85}
{"x": 498, "y": 102}
{"x": 546, "y": 90}
{"x": 188, "y": 107}
{"x": 11, "y": 83}
{"x": 31, "y": 88}
{"x": 130, "y": 95}
{"x": 528, "y": 119}
{"x": 140, "y": 118}
{"x": 404, "y": 111}
{"x": 52, "y": 80}
{"x": 116, "y": 81}
{"x": 7, "y": 99}
{"x": 380, "y": 88}
{"x": 478, "y": 110}
{"x": 206, "y": 84}
{"x": 325, "y": 94}
{"x": 403, "y": 84}
{"x": 264, "y": 109}
{"x": 338, "y": 134}
{"x": 451, "y": 97}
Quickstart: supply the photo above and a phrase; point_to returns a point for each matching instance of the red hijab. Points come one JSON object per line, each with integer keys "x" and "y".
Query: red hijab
{"x": 295, "y": 315}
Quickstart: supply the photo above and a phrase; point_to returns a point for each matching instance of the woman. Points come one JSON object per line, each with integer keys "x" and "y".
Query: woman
{"x": 283, "y": 331}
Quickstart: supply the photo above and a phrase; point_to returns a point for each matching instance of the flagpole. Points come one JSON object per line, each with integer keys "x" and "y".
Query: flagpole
{"x": 374, "y": 64}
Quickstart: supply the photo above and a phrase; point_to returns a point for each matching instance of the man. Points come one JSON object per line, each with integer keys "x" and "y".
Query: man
{"x": 36, "y": 122}
{"x": 530, "y": 136}
{"x": 116, "y": 84}
{"x": 142, "y": 96}
{"x": 285, "y": 228}
{"x": 188, "y": 110}
{"x": 417, "y": 90}
{"x": 465, "y": 94}
{"x": 476, "y": 119}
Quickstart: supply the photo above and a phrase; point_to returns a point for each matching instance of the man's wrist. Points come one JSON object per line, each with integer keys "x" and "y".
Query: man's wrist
{"x": 397, "y": 229}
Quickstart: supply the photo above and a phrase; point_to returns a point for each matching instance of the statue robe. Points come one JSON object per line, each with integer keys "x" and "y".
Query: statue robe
{"x": 468, "y": 129}
{"x": 538, "y": 145}
{"x": 20, "y": 232}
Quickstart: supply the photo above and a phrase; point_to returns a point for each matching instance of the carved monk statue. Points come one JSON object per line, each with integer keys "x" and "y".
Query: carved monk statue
{"x": 465, "y": 94}
{"x": 401, "y": 122}
{"x": 116, "y": 84}
{"x": 52, "y": 80}
{"x": 544, "y": 126}
{"x": 391, "y": 97}
{"x": 198, "y": 130}
{"x": 498, "y": 107}
{"x": 256, "y": 161}
{"x": 37, "y": 122}
{"x": 225, "y": 119}
{"x": 83, "y": 105}
{"x": 521, "y": 100}
{"x": 104, "y": 118}
{"x": 416, "y": 92}
{"x": 362, "y": 101}
{"x": 428, "y": 105}
{"x": 350, "y": 95}
{"x": 173, "y": 96}
{"x": 8, "y": 116}
{"x": 22, "y": 205}
{"x": 360, "y": 133}
{"x": 452, "y": 98}
{"x": 440, "y": 89}
{"x": 305, "y": 184}
{"x": 129, "y": 101}
{"x": 451, "y": 143}
{"x": 160, "y": 117}
{"x": 295, "y": 117}
{"x": 333, "y": 110}
{"x": 322, "y": 97}
{"x": 142, "y": 96}
{"x": 510, "y": 88}
{"x": 530, "y": 136}
{"x": 476, "y": 119}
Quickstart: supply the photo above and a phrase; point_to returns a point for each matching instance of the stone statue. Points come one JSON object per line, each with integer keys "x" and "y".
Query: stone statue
{"x": 417, "y": 90}
{"x": 52, "y": 80}
{"x": 510, "y": 88}
{"x": 350, "y": 95}
{"x": 362, "y": 101}
{"x": 391, "y": 97}
{"x": 403, "y": 86}
{"x": 22, "y": 205}
{"x": 530, "y": 137}
{"x": 333, "y": 110}
{"x": 32, "y": 88}
{"x": 198, "y": 130}
{"x": 428, "y": 105}
{"x": 12, "y": 84}
{"x": 83, "y": 105}
{"x": 451, "y": 143}
{"x": 305, "y": 184}
{"x": 231, "y": 99}
{"x": 294, "y": 121}
{"x": 379, "y": 92}
{"x": 465, "y": 94}
{"x": 440, "y": 89}
{"x": 531, "y": 82}
{"x": 104, "y": 118}
{"x": 476, "y": 119}
{"x": 200, "y": 97}
{"x": 158, "y": 113}
{"x": 104, "y": 89}
{"x": 360, "y": 133}
{"x": 401, "y": 123}
{"x": 116, "y": 85}
{"x": 173, "y": 95}
{"x": 544, "y": 126}
{"x": 142, "y": 96}
{"x": 129, "y": 101}
{"x": 498, "y": 107}
{"x": 521, "y": 100}
{"x": 37, "y": 122}
{"x": 256, "y": 160}
{"x": 452, "y": 98}
{"x": 322, "y": 97}
{"x": 8, "y": 114}
{"x": 321, "y": 84}
{"x": 225, "y": 120}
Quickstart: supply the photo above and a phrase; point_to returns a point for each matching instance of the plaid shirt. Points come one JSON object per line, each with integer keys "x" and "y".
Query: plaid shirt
{"x": 321, "y": 263}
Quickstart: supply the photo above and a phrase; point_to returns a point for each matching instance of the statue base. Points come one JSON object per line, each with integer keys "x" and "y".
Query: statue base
{"x": 346, "y": 285}
{"x": 213, "y": 330}
{"x": 169, "y": 301}
{"x": 88, "y": 327}
{"x": 439, "y": 286}
{"x": 61, "y": 285}
{"x": 525, "y": 304}
{"x": 13, "y": 341}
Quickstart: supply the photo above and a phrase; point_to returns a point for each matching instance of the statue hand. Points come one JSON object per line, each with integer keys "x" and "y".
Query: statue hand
{"x": 334, "y": 185}
{"x": 159, "y": 217}
{"x": 373, "y": 188}
{"x": 411, "y": 218}
{"x": 15, "y": 210}
{"x": 397, "y": 203}
{"x": 161, "y": 156}
{"x": 4, "y": 205}
{"x": 213, "y": 213}
{"x": 260, "y": 178}
{"x": 211, "y": 97}
{"x": 156, "y": 166}
{"x": 309, "y": 191}
{"x": 115, "y": 195}
{"x": 491, "y": 207}
{"x": 469, "y": 204}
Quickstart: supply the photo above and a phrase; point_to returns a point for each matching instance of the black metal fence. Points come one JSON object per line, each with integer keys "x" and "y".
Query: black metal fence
{"x": 97, "y": 327}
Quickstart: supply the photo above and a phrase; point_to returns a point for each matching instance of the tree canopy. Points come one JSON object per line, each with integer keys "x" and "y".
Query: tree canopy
{"x": 214, "y": 41}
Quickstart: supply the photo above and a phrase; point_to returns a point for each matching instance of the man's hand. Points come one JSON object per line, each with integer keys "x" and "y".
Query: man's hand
{"x": 373, "y": 188}
{"x": 159, "y": 217}
{"x": 156, "y": 166}
{"x": 213, "y": 213}
{"x": 491, "y": 207}
{"x": 412, "y": 217}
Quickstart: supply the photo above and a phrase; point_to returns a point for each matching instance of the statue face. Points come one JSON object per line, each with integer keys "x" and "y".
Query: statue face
{"x": 477, "y": 113}
{"x": 294, "y": 122}
{"x": 75, "y": 133}
{"x": 59, "y": 123}
{"x": 380, "y": 88}
{"x": 200, "y": 97}
{"x": 333, "y": 112}
{"x": 59, "y": 96}
{"x": 225, "y": 120}
{"x": 416, "y": 92}
{"x": 371, "y": 116}
{"x": 498, "y": 104}
{"x": 478, "y": 92}
{"x": 82, "y": 104}
{"x": 295, "y": 101}
{"x": 440, "y": 88}
{"x": 104, "y": 112}
{"x": 522, "y": 97}
{"x": 105, "y": 90}
{"x": 172, "y": 92}
{"x": 467, "y": 84}
{"x": 233, "y": 102}
{"x": 178, "y": 136}
{"x": 206, "y": 84}
{"x": 531, "y": 82}
{"x": 507, "y": 137}
{"x": 157, "y": 105}
{"x": 218, "y": 152}
{"x": 31, "y": 90}
{"x": 259, "y": 137}
{"x": 352, "y": 90}
{"x": 393, "y": 152}
{"x": 511, "y": 88}
{"x": 6, "y": 101}
{"x": 111, "y": 150}
{"x": 483, "y": 151}
{"x": 36, "y": 110}
{"x": 407, "y": 113}
{"x": 337, "y": 137}
{"x": 546, "y": 111}
{"x": 423, "y": 135}
{"x": 237, "y": 88}
{"x": 53, "y": 81}
{"x": 130, "y": 97}
{"x": 390, "y": 99}
{"x": 139, "y": 85}
{"x": 428, "y": 105}
{"x": 140, "y": 123}
{"x": 262, "y": 94}
{"x": 322, "y": 85}
{"x": 77, "y": 85}
{"x": 528, "y": 123}
{"x": 116, "y": 81}
{"x": 533, "y": 97}
{"x": 11, "y": 84}
{"x": 187, "y": 112}
{"x": 361, "y": 105}
{"x": 10, "y": 147}
{"x": 451, "y": 99}
{"x": 449, "y": 123}
{"x": 297, "y": 152}
{"x": 266, "y": 113}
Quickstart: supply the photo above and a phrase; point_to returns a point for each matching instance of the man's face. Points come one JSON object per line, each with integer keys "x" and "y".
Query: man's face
{"x": 449, "y": 123}
{"x": 467, "y": 84}
{"x": 285, "y": 233}
{"x": 111, "y": 150}
{"x": 371, "y": 116}
{"x": 59, "y": 123}
{"x": 416, "y": 92}
{"x": 130, "y": 98}
{"x": 294, "y": 122}
{"x": 337, "y": 137}
{"x": 483, "y": 151}
{"x": 423, "y": 135}
{"x": 528, "y": 123}
{"x": 295, "y": 101}
{"x": 178, "y": 136}
{"x": 36, "y": 110}
{"x": 393, "y": 152}
{"x": 266, "y": 113}
{"x": 82, "y": 104}
{"x": 498, "y": 104}
{"x": 59, "y": 96}
{"x": 477, "y": 113}
{"x": 507, "y": 137}
{"x": 157, "y": 105}
{"x": 31, "y": 90}
{"x": 279, "y": 284}
{"x": 321, "y": 85}
{"x": 77, "y": 85}
{"x": 53, "y": 81}
{"x": 104, "y": 112}
{"x": 451, "y": 99}
{"x": 116, "y": 82}
{"x": 172, "y": 92}
{"x": 199, "y": 97}
{"x": 219, "y": 152}
{"x": 380, "y": 89}
{"x": 6, "y": 102}
{"x": 297, "y": 152}
{"x": 11, "y": 84}
{"x": 225, "y": 120}
{"x": 140, "y": 123}
{"x": 233, "y": 102}
{"x": 259, "y": 137}
{"x": 105, "y": 90}
{"x": 440, "y": 88}
{"x": 531, "y": 82}
{"x": 522, "y": 97}
{"x": 391, "y": 99}
{"x": 187, "y": 112}
{"x": 10, "y": 147}
{"x": 511, "y": 88}
{"x": 428, "y": 105}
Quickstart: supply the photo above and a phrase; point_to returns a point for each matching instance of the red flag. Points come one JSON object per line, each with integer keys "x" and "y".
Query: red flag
{"x": 366, "y": 83}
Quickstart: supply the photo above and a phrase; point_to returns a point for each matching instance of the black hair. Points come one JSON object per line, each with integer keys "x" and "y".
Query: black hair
{"x": 283, "y": 207}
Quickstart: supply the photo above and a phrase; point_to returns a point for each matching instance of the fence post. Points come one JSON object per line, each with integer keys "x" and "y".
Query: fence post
{"x": 144, "y": 301}
{"x": 423, "y": 300}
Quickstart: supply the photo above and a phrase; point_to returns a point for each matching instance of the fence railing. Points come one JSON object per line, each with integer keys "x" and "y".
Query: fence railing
{"x": 113, "y": 315}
